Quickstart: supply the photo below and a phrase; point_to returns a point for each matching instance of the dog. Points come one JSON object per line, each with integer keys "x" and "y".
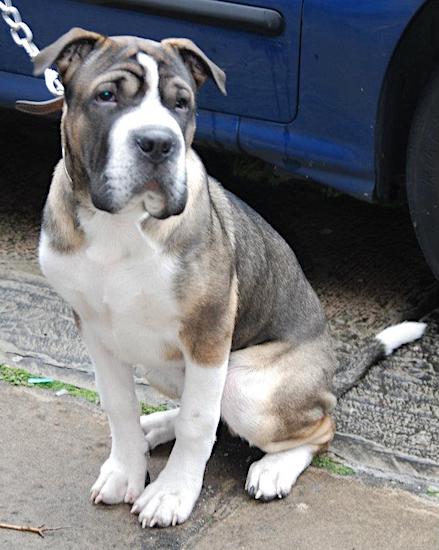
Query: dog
{"x": 166, "y": 270}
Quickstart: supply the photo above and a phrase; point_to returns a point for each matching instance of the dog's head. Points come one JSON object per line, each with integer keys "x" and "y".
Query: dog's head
{"x": 129, "y": 116}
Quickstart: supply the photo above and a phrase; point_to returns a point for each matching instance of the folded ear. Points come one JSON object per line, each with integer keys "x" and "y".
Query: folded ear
{"x": 66, "y": 52}
{"x": 200, "y": 66}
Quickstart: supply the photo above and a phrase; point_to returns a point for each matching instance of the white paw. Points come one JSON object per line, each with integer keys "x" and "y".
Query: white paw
{"x": 118, "y": 482}
{"x": 266, "y": 483}
{"x": 166, "y": 502}
{"x": 158, "y": 427}
{"x": 158, "y": 436}
{"x": 275, "y": 474}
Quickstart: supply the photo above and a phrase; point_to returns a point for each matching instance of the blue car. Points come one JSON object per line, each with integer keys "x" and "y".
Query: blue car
{"x": 345, "y": 92}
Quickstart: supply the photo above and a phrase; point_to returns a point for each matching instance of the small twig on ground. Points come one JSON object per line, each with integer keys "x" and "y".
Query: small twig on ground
{"x": 37, "y": 530}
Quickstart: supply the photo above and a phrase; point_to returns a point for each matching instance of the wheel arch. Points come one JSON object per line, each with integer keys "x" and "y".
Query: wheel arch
{"x": 411, "y": 66}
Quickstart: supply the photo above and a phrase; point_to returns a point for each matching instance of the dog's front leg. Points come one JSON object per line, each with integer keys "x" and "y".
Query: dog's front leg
{"x": 122, "y": 475}
{"x": 170, "y": 499}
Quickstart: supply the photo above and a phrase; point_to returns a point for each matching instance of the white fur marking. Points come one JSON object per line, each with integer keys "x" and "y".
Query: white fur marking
{"x": 397, "y": 335}
{"x": 121, "y": 285}
{"x": 152, "y": 73}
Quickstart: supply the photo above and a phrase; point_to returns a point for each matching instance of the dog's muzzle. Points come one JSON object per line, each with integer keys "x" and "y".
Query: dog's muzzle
{"x": 158, "y": 151}
{"x": 154, "y": 172}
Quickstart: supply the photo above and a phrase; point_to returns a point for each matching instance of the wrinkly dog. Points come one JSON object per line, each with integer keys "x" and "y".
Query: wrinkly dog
{"x": 167, "y": 270}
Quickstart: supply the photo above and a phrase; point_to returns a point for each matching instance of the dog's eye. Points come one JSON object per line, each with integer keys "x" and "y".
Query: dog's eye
{"x": 182, "y": 104}
{"x": 106, "y": 96}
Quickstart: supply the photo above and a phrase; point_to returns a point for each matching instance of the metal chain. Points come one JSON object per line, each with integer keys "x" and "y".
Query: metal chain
{"x": 23, "y": 37}
{"x": 21, "y": 33}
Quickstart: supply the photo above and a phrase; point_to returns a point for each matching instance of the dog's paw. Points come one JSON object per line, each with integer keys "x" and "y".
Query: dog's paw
{"x": 274, "y": 475}
{"x": 165, "y": 503}
{"x": 158, "y": 427}
{"x": 118, "y": 483}
{"x": 266, "y": 483}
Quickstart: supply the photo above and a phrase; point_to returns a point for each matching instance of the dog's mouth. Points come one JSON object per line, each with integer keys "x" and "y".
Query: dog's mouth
{"x": 154, "y": 199}
{"x": 162, "y": 201}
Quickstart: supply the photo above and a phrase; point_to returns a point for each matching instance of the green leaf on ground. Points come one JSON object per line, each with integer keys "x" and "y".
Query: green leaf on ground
{"x": 20, "y": 377}
{"x": 328, "y": 464}
{"x": 432, "y": 492}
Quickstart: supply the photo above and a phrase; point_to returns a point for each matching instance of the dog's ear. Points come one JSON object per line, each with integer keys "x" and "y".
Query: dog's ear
{"x": 200, "y": 66}
{"x": 48, "y": 107}
{"x": 67, "y": 52}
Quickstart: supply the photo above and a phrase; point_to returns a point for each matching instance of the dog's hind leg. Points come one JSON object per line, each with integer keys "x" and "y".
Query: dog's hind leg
{"x": 278, "y": 398}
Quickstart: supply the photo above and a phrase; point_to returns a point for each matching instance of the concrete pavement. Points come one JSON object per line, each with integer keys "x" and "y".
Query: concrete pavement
{"x": 51, "y": 449}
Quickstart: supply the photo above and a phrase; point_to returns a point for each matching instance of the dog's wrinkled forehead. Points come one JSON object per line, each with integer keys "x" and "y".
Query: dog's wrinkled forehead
{"x": 169, "y": 62}
{"x": 133, "y": 61}
{"x": 86, "y": 59}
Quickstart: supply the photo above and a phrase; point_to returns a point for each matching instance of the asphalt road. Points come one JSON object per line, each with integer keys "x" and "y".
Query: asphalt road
{"x": 363, "y": 261}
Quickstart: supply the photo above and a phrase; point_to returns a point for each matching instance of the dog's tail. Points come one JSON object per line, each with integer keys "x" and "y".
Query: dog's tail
{"x": 382, "y": 345}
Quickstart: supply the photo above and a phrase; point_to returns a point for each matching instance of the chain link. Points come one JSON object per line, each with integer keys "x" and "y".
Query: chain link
{"x": 21, "y": 33}
{"x": 23, "y": 37}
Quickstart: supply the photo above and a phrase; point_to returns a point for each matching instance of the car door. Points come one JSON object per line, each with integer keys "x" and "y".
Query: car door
{"x": 255, "y": 41}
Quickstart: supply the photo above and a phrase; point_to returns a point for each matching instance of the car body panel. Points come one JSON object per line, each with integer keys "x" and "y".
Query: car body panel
{"x": 346, "y": 48}
{"x": 306, "y": 100}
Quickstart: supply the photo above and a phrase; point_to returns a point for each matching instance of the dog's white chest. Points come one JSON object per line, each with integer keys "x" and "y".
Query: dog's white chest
{"x": 120, "y": 285}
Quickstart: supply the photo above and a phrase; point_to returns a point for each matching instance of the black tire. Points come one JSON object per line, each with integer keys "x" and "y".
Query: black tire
{"x": 423, "y": 172}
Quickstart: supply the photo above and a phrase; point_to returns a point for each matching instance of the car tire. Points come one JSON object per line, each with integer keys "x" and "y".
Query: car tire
{"x": 423, "y": 173}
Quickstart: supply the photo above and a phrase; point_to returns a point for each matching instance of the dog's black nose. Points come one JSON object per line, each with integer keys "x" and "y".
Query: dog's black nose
{"x": 156, "y": 143}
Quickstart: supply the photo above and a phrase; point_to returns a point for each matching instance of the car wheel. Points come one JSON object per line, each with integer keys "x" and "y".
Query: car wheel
{"x": 423, "y": 173}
